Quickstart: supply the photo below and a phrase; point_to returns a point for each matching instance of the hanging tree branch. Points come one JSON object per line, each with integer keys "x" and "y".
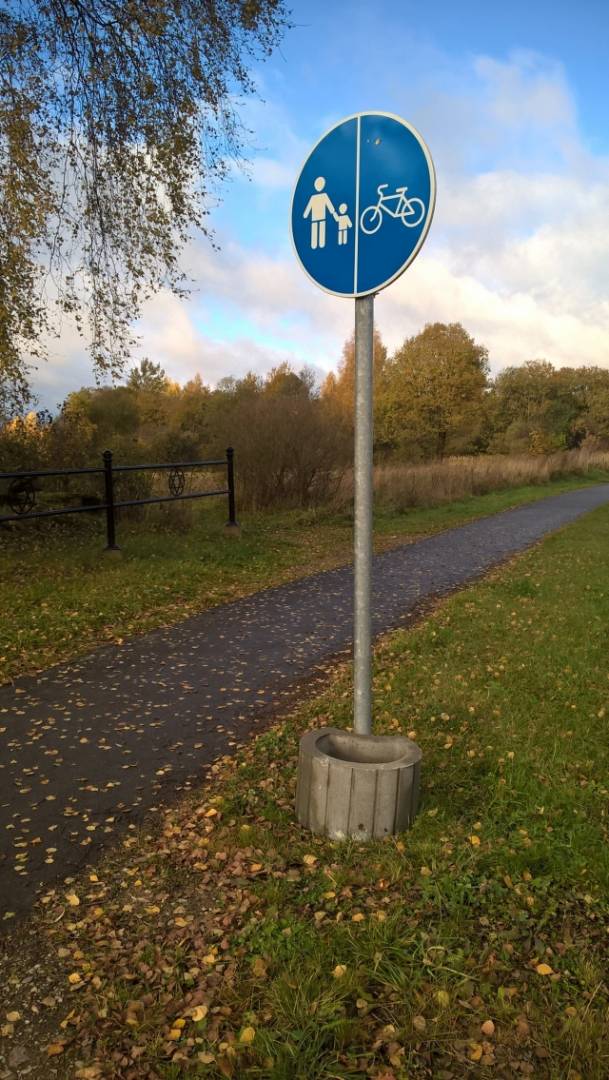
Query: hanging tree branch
{"x": 117, "y": 119}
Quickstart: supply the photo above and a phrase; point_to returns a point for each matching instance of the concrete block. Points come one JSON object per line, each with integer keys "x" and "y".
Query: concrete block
{"x": 361, "y": 786}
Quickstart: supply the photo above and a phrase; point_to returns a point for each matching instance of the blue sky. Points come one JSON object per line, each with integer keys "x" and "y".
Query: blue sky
{"x": 511, "y": 100}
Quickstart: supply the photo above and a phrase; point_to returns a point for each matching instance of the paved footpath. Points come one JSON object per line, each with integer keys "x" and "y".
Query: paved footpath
{"x": 89, "y": 746}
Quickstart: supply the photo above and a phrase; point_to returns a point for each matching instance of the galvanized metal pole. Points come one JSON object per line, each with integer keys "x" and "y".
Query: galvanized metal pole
{"x": 362, "y": 631}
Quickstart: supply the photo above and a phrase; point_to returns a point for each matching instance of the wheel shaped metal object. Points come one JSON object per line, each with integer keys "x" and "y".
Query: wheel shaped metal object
{"x": 21, "y": 495}
{"x": 176, "y": 481}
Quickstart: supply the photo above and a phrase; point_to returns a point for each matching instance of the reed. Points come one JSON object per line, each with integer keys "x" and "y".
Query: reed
{"x": 403, "y": 486}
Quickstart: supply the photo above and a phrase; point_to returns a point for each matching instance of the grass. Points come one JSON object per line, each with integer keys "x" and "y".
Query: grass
{"x": 231, "y": 943}
{"x": 65, "y": 596}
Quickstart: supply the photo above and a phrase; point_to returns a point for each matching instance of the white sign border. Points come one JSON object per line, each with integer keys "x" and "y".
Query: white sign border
{"x": 432, "y": 202}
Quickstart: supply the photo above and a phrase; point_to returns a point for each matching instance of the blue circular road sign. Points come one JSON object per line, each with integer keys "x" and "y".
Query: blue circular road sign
{"x": 363, "y": 204}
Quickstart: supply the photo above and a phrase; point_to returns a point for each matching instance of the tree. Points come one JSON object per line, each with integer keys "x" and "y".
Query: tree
{"x": 338, "y": 391}
{"x": 283, "y": 381}
{"x": 147, "y": 376}
{"x": 117, "y": 120}
{"x": 433, "y": 395}
{"x": 537, "y": 407}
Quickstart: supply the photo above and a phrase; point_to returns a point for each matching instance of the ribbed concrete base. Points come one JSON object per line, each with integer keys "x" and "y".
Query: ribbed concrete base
{"x": 362, "y": 786}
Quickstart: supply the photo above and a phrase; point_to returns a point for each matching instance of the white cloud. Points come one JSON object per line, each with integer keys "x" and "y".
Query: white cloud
{"x": 514, "y": 325}
{"x": 527, "y": 91}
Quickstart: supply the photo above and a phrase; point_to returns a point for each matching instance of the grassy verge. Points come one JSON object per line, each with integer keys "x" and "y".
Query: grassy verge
{"x": 65, "y": 597}
{"x": 230, "y": 943}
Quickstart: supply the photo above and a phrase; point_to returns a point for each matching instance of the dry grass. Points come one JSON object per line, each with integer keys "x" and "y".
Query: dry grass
{"x": 443, "y": 481}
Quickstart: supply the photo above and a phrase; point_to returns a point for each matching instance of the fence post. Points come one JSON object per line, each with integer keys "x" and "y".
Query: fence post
{"x": 110, "y": 519}
{"x": 232, "y": 524}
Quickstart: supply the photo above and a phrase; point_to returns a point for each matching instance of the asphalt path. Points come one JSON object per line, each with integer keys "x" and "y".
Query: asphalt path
{"x": 91, "y": 746}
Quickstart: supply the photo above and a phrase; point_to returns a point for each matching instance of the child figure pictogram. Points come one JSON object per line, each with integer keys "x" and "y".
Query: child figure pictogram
{"x": 344, "y": 223}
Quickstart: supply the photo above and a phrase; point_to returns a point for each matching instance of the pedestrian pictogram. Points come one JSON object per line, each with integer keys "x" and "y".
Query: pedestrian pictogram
{"x": 363, "y": 204}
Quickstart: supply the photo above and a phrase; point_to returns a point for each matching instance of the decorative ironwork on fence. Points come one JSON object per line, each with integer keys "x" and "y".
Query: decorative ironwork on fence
{"x": 23, "y": 487}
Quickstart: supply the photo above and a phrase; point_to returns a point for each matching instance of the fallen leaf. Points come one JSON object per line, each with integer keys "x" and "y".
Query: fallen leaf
{"x": 309, "y": 860}
{"x": 488, "y": 1028}
{"x": 55, "y": 1048}
{"x": 475, "y": 842}
{"x": 72, "y": 899}
{"x": 199, "y": 1013}
{"x": 247, "y": 1035}
{"x": 339, "y": 971}
{"x": 544, "y": 969}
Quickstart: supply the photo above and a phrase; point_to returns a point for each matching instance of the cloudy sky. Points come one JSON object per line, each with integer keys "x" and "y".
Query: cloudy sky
{"x": 511, "y": 100}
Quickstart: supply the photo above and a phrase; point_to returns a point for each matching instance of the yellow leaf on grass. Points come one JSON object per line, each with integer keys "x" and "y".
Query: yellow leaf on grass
{"x": 488, "y": 1028}
{"x": 309, "y": 860}
{"x": 419, "y": 1023}
{"x": 74, "y": 978}
{"x": 174, "y": 1034}
{"x": 13, "y": 1017}
{"x": 476, "y": 1051}
{"x": 358, "y": 917}
{"x": 55, "y": 1048}
{"x": 544, "y": 969}
{"x": 199, "y": 1012}
{"x": 475, "y": 842}
{"x": 443, "y": 998}
{"x": 339, "y": 971}
{"x": 180, "y": 921}
{"x": 72, "y": 899}
{"x": 211, "y": 813}
{"x": 247, "y": 1035}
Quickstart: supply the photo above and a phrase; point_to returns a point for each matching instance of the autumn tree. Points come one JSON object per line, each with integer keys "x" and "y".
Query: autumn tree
{"x": 283, "y": 381}
{"x": 540, "y": 408}
{"x": 433, "y": 393}
{"x": 147, "y": 376}
{"x": 338, "y": 390}
{"x": 117, "y": 120}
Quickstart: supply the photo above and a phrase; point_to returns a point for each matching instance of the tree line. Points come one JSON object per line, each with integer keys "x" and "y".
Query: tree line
{"x": 434, "y": 397}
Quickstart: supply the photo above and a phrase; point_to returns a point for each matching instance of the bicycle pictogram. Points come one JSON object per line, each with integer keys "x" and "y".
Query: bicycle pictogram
{"x": 410, "y": 211}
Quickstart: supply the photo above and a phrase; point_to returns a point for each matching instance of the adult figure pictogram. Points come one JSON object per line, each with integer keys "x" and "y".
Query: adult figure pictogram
{"x": 316, "y": 207}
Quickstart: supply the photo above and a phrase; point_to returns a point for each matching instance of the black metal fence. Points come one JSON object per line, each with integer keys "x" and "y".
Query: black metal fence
{"x": 23, "y": 487}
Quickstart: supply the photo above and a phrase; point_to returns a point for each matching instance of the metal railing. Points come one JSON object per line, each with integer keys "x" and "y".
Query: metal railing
{"x": 22, "y": 490}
